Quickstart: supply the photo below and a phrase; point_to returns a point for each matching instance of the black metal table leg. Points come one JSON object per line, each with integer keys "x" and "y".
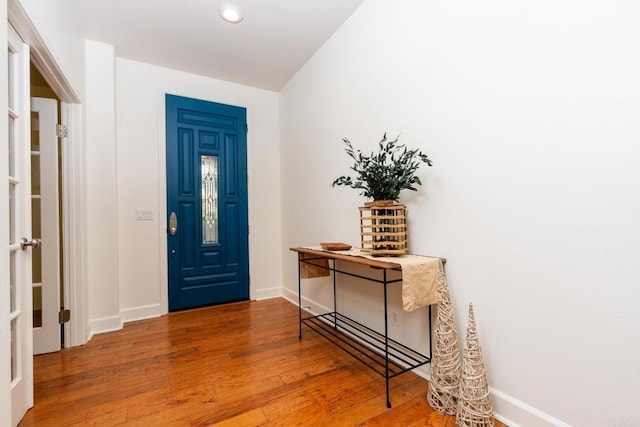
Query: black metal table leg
{"x": 335, "y": 306}
{"x": 430, "y": 337}
{"x": 299, "y": 300}
{"x": 386, "y": 340}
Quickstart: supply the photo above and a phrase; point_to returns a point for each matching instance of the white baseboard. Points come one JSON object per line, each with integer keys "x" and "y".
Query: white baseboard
{"x": 516, "y": 413}
{"x": 310, "y": 305}
{"x": 268, "y": 293}
{"x": 290, "y": 296}
{"x": 104, "y": 324}
{"x": 140, "y": 313}
{"x": 508, "y": 409}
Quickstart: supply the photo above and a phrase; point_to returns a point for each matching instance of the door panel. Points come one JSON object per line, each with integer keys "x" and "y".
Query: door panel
{"x": 19, "y": 228}
{"x": 207, "y": 190}
{"x": 45, "y": 221}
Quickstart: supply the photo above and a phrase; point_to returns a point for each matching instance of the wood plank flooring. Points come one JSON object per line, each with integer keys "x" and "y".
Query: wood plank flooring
{"x": 232, "y": 365}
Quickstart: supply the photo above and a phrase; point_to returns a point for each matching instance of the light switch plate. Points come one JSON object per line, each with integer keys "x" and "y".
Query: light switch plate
{"x": 144, "y": 214}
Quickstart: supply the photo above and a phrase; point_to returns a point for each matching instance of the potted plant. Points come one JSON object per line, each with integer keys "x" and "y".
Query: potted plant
{"x": 382, "y": 176}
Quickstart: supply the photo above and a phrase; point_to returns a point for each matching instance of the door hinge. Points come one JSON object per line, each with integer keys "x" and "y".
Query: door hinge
{"x": 62, "y": 131}
{"x": 247, "y": 128}
{"x": 64, "y": 316}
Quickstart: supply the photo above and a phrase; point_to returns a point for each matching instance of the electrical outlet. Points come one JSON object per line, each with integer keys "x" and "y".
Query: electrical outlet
{"x": 394, "y": 318}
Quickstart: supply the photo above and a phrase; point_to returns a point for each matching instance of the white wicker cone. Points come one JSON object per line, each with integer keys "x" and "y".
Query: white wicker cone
{"x": 474, "y": 404}
{"x": 444, "y": 385}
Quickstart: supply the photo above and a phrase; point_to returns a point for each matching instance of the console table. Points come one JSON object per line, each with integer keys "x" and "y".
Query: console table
{"x": 375, "y": 349}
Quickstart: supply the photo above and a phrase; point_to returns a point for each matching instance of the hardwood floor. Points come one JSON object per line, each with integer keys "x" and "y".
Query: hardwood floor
{"x": 233, "y": 365}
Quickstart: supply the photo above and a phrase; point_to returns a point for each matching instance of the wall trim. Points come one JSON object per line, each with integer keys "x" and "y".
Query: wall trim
{"x": 312, "y": 306}
{"x": 516, "y": 413}
{"x": 268, "y": 293}
{"x": 140, "y": 313}
{"x": 509, "y": 410}
{"x": 162, "y": 200}
{"x": 104, "y": 324}
{"x": 74, "y": 227}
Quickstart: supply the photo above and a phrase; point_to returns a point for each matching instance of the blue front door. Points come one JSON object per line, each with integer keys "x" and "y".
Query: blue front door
{"x": 207, "y": 232}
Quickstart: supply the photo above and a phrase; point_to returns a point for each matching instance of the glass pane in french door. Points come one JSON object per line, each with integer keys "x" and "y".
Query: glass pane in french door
{"x": 13, "y": 287}
{"x": 13, "y": 277}
{"x": 12, "y": 150}
{"x": 12, "y": 213}
{"x": 12, "y": 78}
{"x": 36, "y": 217}
{"x": 14, "y": 349}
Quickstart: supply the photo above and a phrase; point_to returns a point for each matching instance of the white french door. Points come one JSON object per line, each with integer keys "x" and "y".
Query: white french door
{"x": 45, "y": 225}
{"x": 19, "y": 227}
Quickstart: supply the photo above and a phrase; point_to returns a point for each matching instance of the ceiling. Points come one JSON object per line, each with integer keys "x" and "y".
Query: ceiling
{"x": 275, "y": 38}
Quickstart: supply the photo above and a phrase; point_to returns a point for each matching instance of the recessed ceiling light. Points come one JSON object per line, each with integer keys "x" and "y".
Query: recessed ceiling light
{"x": 231, "y": 14}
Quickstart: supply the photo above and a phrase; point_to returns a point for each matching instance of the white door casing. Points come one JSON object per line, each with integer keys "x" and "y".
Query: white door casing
{"x": 74, "y": 247}
{"x": 19, "y": 228}
{"x": 44, "y": 157}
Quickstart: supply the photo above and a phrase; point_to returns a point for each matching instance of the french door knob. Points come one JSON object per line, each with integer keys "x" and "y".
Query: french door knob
{"x": 34, "y": 243}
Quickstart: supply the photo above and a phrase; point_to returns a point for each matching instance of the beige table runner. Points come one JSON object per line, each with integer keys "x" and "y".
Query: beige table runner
{"x": 420, "y": 274}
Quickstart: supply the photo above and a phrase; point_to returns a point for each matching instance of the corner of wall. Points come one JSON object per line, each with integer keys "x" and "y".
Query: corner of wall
{"x": 104, "y": 324}
{"x": 268, "y": 293}
{"x": 140, "y": 313}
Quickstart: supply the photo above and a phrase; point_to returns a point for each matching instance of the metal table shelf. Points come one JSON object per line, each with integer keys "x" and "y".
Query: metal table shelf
{"x": 386, "y": 356}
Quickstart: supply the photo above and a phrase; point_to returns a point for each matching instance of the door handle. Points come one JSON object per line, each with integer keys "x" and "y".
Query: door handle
{"x": 25, "y": 243}
{"x": 173, "y": 224}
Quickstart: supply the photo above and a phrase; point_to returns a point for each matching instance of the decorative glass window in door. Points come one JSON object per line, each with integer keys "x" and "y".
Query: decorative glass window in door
{"x": 209, "y": 169}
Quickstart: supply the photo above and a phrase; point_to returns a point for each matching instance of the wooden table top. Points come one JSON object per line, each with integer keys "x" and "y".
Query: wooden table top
{"x": 363, "y": 259}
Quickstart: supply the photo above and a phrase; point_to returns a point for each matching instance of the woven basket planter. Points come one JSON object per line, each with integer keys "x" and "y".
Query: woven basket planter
{"x": 383, "y": 229}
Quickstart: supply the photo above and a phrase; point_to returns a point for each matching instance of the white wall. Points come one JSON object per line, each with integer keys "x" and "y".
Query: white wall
{"x": 101, "y": 191}
{"x": 140, "y": 90}
{"x": 57, "y": 25}
{"x": 530, "y": 112}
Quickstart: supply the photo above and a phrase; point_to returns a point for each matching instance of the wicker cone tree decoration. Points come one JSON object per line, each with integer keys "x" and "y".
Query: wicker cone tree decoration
{"x": 474, "y": 404}
{"x": 444, "y": 385}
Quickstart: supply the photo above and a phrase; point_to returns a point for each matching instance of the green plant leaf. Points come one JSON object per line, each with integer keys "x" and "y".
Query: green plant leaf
{"x": 382, "y": 175}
